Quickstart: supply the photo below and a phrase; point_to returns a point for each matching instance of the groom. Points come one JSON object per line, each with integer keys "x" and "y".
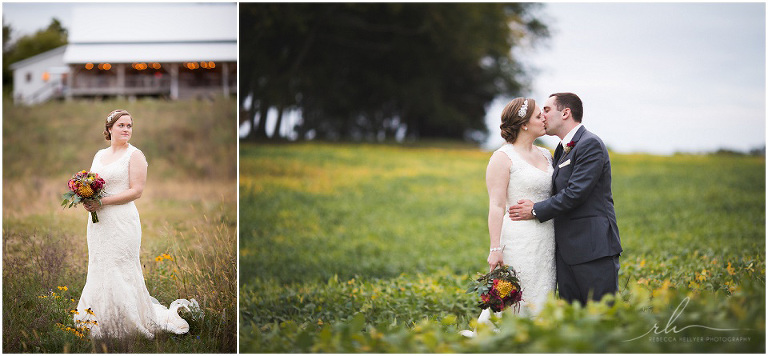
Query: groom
{"x": 586, "y": 235}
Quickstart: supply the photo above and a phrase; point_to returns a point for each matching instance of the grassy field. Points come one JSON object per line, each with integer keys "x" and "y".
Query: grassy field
{"x": 188, "y": 211}
{"x": 369, "y": 248}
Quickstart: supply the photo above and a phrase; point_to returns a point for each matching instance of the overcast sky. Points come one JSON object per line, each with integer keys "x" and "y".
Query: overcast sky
{"x": 656, "y": 77}
{"x": 27, "y": 18}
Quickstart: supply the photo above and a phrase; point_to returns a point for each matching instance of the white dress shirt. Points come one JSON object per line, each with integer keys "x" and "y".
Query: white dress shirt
{"x": 569, "y": 137}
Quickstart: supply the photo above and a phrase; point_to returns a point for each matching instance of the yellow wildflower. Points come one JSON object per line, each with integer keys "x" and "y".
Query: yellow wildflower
{"x": 64, "y": 288}
{"x": 642, "y": 263}
{"x": 730, "y": 269}
{"x": 504, "y": 288}
{"x": 158, "y": 258}
{"x": 74, "y": 311}
{"x": 701, "y": 276}
{"x": 89, "y": 311}
{"x": 749, "y": 268}
{"x": 320, "y": 322}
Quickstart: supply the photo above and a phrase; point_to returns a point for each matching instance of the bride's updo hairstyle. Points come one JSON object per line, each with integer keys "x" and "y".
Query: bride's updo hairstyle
{"x": 111, "y": 119}
{"x": 513, "y": 117}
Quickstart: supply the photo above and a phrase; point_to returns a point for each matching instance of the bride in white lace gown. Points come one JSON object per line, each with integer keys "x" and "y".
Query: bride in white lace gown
{"x": 519, "y": 170}
{"x": 115, "y": 301}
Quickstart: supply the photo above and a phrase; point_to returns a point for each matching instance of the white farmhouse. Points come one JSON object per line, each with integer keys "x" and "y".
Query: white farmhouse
{"x": 173, "y": 51}
{"x": 39, "y": 78}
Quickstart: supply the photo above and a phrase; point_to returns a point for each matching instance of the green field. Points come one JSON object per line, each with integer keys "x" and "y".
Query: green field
{"x": 369, "y": 248}
{"x": 188, "y": 211}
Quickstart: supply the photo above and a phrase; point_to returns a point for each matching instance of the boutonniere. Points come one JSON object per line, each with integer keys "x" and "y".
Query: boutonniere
{"x": 569, "y": 146}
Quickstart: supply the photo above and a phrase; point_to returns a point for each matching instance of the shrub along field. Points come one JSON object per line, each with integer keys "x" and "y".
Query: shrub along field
{"x": 370, "y": 248}
{"x": 188, "y": 216}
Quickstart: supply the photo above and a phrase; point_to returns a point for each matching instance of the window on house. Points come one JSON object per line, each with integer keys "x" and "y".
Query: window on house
{"x": 29, "y": 77}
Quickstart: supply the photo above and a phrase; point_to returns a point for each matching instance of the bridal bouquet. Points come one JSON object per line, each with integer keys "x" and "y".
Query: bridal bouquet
{"x": 84, "y": 186}
{"x": 498, "y": 289}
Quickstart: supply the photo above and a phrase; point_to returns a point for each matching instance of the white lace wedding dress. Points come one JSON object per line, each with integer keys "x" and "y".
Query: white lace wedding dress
{"x": 115, "y": 301}
{"x": 529, "y": 245}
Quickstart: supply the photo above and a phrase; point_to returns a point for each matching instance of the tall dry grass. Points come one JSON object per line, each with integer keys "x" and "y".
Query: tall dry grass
{"x": 182, "y": 139}
{"x": 188, "y": 211}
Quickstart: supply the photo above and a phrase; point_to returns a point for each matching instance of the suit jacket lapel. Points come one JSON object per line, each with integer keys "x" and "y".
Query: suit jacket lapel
{"x": 567, "y": 155}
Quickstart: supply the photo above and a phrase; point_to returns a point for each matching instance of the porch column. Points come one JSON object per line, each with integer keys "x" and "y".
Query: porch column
{"x": 225, "y": 78}
{"x": 174, "y": 69}
{"x": 70, "y": 82}
{"x": 120, "y": 79}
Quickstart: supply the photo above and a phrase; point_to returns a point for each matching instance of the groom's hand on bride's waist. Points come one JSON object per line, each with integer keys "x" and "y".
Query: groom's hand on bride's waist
{"x": 521, "y": 211}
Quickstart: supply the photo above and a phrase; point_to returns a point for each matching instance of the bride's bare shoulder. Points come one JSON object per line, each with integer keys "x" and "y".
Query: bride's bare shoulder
{"x": 500, "y": 160}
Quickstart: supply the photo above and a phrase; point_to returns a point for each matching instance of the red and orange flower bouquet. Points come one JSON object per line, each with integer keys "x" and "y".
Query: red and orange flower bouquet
{"x": 84, "y": 186}
{"x": 498, "y": 289}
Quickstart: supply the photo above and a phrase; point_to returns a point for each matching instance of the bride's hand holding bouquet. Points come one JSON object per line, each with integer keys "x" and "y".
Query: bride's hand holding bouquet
{"x": 87, "y": 188}
{"x": 498, "y": 289}
{"x": 495, "y": 258}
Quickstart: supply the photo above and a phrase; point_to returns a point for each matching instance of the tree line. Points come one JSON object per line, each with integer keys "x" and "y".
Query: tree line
{"x": 357, "y": 71}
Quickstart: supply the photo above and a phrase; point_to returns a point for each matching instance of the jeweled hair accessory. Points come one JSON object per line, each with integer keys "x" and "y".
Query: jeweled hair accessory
{"x": 112, "y": 116}
{"x": 523, "y": 109}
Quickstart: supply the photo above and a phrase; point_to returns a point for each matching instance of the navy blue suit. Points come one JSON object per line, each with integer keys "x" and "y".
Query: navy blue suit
{"x": 586, "y": 234}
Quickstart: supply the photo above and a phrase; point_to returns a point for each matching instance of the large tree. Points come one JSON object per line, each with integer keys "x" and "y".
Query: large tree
{"x": 358, "y": 71}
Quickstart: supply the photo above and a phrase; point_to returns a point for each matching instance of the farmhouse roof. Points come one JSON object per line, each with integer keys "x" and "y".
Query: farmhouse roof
{"x": 36, "y": 58}
{"x": 168, "y": 33}
{"x": 153, "y": 52}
